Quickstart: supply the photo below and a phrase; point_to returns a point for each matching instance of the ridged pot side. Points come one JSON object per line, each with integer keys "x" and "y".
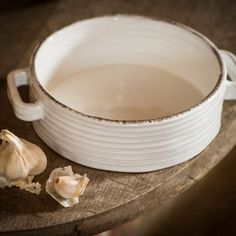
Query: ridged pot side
{"x": 118, "y": 146}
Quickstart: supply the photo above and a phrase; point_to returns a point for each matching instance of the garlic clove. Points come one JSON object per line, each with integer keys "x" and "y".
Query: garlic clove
{"x": 65, "y": 186}
{"x": 16, "y": 167}
{"x": 20, "y": 159}
{"x": 70, "y": 186}
{"x": 5, "y": 150}
{"x": 38, "y": 160}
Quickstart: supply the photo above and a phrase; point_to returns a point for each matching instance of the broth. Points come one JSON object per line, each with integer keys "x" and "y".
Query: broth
{"x": 125, "y": 92}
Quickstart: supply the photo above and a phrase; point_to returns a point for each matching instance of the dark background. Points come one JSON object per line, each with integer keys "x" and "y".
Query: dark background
{"x": 209, "y": 207}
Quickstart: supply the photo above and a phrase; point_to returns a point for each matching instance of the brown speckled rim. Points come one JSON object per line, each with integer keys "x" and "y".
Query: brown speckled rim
{"x": 158, "y": 119}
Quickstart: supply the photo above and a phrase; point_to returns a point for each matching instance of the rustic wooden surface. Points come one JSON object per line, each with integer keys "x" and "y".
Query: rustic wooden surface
{"x": 111, "y": 198}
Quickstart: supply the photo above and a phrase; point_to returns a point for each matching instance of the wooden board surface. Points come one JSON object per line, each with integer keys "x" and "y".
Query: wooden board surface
{"x": 114, "y": 198}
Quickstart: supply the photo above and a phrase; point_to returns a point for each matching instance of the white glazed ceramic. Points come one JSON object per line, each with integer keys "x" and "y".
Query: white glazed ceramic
{"x": 134, "y": 145}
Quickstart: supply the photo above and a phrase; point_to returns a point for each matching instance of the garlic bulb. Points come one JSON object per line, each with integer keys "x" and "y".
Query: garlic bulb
{"x": 20, "y": 159}
{"x": 65, "y": 186}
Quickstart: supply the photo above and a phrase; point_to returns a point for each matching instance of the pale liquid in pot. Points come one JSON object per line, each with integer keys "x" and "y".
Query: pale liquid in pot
{"x": 125, "y": 92}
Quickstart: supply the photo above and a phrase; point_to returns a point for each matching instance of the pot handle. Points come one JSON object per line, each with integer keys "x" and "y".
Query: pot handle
{"x": 230, "y": 61}
{"x": 22, "y": 110}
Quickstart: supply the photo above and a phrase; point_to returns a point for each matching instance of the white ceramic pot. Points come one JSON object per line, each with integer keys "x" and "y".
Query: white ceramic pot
{"x": 132, "y": 145}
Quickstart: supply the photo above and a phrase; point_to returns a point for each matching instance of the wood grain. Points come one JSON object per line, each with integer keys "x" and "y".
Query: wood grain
{"x": 114, "y": 198}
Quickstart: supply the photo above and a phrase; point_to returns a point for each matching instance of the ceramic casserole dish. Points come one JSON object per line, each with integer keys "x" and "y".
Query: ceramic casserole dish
{"x": 116, "y": 143}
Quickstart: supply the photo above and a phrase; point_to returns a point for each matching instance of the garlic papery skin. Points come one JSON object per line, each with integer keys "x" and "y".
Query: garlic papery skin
{"x": 19, "y": 159}
{"x": 65, "y": 186}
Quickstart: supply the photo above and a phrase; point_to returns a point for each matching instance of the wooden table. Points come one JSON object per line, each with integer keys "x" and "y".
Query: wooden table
{"x": 110, "y": 198}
